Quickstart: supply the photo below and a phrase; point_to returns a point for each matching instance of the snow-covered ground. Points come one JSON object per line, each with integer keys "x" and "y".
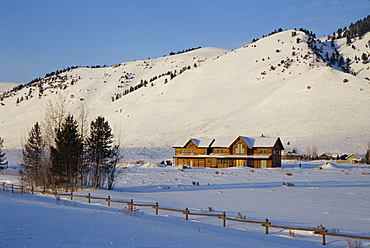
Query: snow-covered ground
{"x": 337, "y": 197}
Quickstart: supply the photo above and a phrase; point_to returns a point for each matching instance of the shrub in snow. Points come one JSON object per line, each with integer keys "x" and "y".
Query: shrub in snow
{"x": 132, "y": 212}
{"x": 288, "y": 184}
{"x": 210, "y": 209}
{"x": 354, "y": 244}
{"x": 63, "y": 202}
{"x": 293, "y": 235}
{"x": 242, "y": 216}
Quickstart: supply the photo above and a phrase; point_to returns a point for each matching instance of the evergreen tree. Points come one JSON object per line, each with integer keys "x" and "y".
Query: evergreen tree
{"x": 341, "y": 61}
{"x": 33, "y": 169}
{"x": 367, "y": 156}
{"x": 100, "y": 149}
{"x": 66, "y": 155}
{"x": 3, "y": 163}
{"x": 364, "y": 58}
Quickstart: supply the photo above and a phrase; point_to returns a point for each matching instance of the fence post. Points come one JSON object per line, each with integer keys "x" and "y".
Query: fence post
{"x": 22, "y": 189}
{"x": 88, "y": 197}
{"x": 132, "y": 205}
{"x": 12, "y": 188}
{"x": 108, "y": 200}
{"x": 71, "y": 196}
{"x": 186, "y": 214}
{"x": 267, "y": 226}
{"x": 156, "y": 209}
{"x": 323, "y": 236}
{"x": 224, "y": 220}
{"x": 32, "y": 190}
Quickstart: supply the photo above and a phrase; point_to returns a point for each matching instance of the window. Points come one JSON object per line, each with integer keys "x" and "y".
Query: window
{"x": 239, "y": 149}
{"x": 191, "y": 151}
{"x": 219, "y": 151}
{"x": 239, "y": 162}
{"x": 263, "y": 164}
{"x": 263, "y": 151}
{"x": 250, "y": 163}
{"x": 222, "y": 161}
{"x": 182, "y": 151}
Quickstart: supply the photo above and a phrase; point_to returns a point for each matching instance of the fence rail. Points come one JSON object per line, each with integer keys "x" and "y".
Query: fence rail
{"x": 267, "y": 224}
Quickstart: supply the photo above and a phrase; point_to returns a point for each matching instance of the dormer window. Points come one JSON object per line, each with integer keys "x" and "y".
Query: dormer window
{"x": 239, "y": 149}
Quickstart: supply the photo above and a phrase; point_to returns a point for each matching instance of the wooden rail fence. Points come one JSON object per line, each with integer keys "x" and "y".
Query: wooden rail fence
{"x": 267, "y": 224}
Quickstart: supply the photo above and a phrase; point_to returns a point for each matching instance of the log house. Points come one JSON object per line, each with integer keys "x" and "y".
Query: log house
{"x": 227, "y": 152}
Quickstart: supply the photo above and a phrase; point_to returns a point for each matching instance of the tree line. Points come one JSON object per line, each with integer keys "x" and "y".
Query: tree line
{"x": 184, "y": 51}
{"x": 294, "y": 33}
{"x": 357, "y": 29}
{"x": 62, "y": 157}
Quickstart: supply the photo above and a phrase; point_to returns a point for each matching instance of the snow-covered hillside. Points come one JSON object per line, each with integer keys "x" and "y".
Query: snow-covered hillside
{"x": 4, "y": 86}
{"x": 277, "y": 86}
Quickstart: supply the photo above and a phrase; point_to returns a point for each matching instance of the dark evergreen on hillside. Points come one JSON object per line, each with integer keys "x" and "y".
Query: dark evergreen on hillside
{"x": 293, "y": 34}
{"x": 186, "y": 50}
{"x": 66, "y": 155}
{"x": 357, "y": 29}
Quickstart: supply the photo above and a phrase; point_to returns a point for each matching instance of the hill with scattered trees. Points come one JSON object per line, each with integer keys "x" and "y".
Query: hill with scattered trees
{"x": 307, "y": 90}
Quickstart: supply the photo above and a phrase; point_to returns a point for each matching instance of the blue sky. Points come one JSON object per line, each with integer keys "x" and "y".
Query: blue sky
{"x": 40, "y": 36}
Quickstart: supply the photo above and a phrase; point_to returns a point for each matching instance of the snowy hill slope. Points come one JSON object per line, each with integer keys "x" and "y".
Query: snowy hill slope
{"x": 277, "y": 86}
{"x": 354, "y": 52}
{"x": 4, "y": 86}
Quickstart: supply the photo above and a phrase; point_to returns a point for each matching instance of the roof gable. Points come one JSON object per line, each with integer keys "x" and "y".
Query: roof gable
{"x": 205, "y": 143}
{"x": 182, "y": 142}
{"x": 248, "y": 141}
{"x": 201, "y": 143}
{"x": 223, "y": 142}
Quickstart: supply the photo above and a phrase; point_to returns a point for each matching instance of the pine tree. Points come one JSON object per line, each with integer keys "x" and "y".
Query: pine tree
{"x": 100, "y": 150}
{"x": 33, "y": 169}
{"x": 66, "y": 155}
{"x": 341, "y": 61}
{"x": 364, "y": 58}
{"x": 3, "y": 161}
{"x": 367, "y": 156}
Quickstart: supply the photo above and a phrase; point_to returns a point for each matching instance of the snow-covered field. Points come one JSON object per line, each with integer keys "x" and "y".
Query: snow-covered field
{"x": 336, "y": 197}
